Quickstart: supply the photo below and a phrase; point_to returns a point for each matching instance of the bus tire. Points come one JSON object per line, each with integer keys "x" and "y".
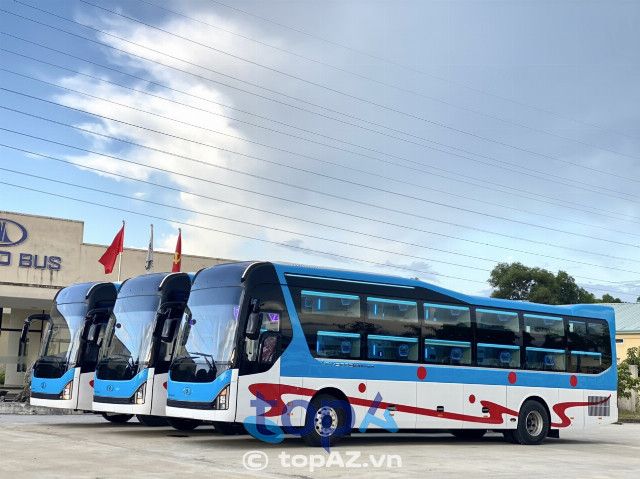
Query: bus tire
{"x": 117, "y": 418}
{"x": 183, "y": 424}
{"x": 326, "y": 421}
{"x": 469, "y": 434}
{"x": 533, "y": 424}
{"x": 152, "y": 421}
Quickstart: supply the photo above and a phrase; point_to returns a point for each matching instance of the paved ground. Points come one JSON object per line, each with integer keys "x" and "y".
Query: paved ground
{"x": 87, "y": 446}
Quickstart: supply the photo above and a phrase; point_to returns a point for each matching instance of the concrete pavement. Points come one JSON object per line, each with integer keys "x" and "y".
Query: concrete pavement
{"x": 89, "y": 447}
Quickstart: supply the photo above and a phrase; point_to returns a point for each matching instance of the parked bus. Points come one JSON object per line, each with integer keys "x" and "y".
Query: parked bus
{"x": 63, "y": 374}
{"x": 131, "y": 374}
{"x": 323, "y": 352}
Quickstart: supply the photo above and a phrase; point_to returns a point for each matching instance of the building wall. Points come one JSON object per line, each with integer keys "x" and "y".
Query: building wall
{"x": 50, "y": 254}
{"x": 629, "y": 340}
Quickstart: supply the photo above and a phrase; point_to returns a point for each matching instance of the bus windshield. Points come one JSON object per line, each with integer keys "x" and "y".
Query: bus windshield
{"x": 62, "y": 335}
{"x": 129, "y": 337}
{"x": 207, "y": 336}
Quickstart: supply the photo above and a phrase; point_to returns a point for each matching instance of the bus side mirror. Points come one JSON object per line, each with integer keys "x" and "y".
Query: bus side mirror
{"x": 24, "y": 334}
{"x": 169, "y": 330}
{"x": 254, "y": 322}
{"x": 94, "y": 333}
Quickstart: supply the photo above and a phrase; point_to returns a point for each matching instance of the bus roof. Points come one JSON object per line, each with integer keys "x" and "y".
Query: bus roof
{"x": 583, "y": 310}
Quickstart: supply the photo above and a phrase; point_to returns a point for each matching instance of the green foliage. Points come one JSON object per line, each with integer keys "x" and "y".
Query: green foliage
{"x": 626, "y": 382}
{"x": 520, "y": 282}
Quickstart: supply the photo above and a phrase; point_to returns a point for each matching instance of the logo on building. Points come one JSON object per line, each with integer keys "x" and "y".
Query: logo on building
{"x": 12, "y": 233}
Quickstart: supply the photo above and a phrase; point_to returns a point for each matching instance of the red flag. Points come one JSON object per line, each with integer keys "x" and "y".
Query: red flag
{"x": 177, "y": 256}
{"x": 108, "y": 259}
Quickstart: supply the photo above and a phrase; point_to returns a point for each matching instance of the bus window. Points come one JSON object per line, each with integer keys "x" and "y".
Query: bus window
{"x": 447, "y": 334}
{"x": 331, "y": 323}
{"x": 498, "y": 336}
{"x": 544, "y": 343}
{"x": 393, "y": 328}
{"x": 589, "y": 346}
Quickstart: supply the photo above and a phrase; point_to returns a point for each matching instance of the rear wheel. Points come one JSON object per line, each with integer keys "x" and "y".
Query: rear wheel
{"x": 182, "y": 424}
{"x": 117, "y": 418}
{"x": 327, "y": 421}
{"x": 152, "y": 421}
{"x": 533, "y": 424}
{"x": 469, "y": 434}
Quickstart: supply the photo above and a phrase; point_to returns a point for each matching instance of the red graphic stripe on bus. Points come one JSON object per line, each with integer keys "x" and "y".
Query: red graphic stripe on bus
{"x": 272, "y": 395}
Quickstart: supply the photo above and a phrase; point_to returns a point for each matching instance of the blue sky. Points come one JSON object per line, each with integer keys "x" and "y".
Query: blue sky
{"x": 448, "y": 136}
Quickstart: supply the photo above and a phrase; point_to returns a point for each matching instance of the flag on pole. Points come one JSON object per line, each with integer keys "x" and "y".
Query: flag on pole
{"x": 148, "y": 264}
{"x": 177, "y": 256}
{"x": 108, "y": 259}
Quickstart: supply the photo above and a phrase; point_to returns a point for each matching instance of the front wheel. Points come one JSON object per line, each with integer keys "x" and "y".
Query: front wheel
{"x": 328, "y": 419}
{"x": 533, "y": 424}
{"x": 117, "y": 418}
{"x": 152, "y": 421}
{"x": 469, "y": 434}
{"x": 182, "y": 424}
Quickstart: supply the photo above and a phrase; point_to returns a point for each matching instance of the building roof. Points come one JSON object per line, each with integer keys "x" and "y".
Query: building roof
{"x": 627, "y": 317}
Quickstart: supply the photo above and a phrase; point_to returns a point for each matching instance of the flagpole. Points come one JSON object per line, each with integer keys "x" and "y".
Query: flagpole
{"x": 120, "y": 258}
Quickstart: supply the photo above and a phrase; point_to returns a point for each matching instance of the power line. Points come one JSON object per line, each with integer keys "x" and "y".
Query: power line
{"x": 307, "y": 189}
{"x": 360, "y": 99}
{"x": 261, "y": 210}
{"x": 239, "y": 138}
{"x": 235, "y": 220}
{"x": 286, "y": 245}
{"x": 322, "y": 175}
{"x": 422, "y": 72}
{"x": 512, "y": 190}
{"x": 546, "y": 175}
{"x": 379, "y": 82}
{"x": 301, "y": 203}
{"x": 239, "y": 235}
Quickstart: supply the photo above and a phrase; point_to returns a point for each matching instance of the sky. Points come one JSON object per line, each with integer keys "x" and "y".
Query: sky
{"x": 427, "y": 139}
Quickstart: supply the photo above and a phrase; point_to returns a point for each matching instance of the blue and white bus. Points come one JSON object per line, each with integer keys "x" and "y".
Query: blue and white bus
{"x": 131, "y": 374}
{"x": 322, "y": 351}
{"x": 63, "y": 374}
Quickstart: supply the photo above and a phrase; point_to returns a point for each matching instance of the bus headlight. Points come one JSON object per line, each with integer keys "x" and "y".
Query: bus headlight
{"x": 222, "y": 401}
{"x": 140, "y": 393}
{"x": 67, "y": 391}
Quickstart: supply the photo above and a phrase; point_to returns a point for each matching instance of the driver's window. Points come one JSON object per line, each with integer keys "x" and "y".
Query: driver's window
{"x": 270, "y": 324}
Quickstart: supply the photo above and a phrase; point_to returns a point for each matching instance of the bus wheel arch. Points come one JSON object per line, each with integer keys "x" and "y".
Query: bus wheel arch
{"x": 537, "y": 399}
{"x": 328, "y": 418}
{"x": 534, "y": 422}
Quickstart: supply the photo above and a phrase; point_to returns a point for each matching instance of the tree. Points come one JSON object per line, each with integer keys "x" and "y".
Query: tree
{"x": 626, "y": 382}
{"x": 520, "y": 282}
{"x": 638, "y": 300}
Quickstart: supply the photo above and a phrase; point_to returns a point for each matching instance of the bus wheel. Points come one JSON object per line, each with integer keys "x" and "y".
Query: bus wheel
{"x": 152, "y": 421}
{"x": 326, "y": 421}
{"x": 469, "y": 434}
{"x": 117, "y": 418}
{"x": 533, "y": 424}
{"x": 182, "y": 424}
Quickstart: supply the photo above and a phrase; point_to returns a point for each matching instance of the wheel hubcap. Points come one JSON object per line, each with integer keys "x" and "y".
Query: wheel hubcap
{"x": 534, "y": 423}
{"x": 326, "y": 421}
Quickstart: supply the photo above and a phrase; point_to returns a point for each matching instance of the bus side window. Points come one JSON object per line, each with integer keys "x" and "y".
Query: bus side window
{"x": 393, "y": 329}
{"x": 544, "y": 342}
{"x": 498, "y": 338}
{"x": 275, "y": 329}
{"x": 447, "y": 334}
{"x": 589, "y": 346}
{"x": 331, "y": 322}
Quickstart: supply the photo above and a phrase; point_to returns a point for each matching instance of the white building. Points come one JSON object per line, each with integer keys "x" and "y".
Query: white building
{"x": 40, "y": 255}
